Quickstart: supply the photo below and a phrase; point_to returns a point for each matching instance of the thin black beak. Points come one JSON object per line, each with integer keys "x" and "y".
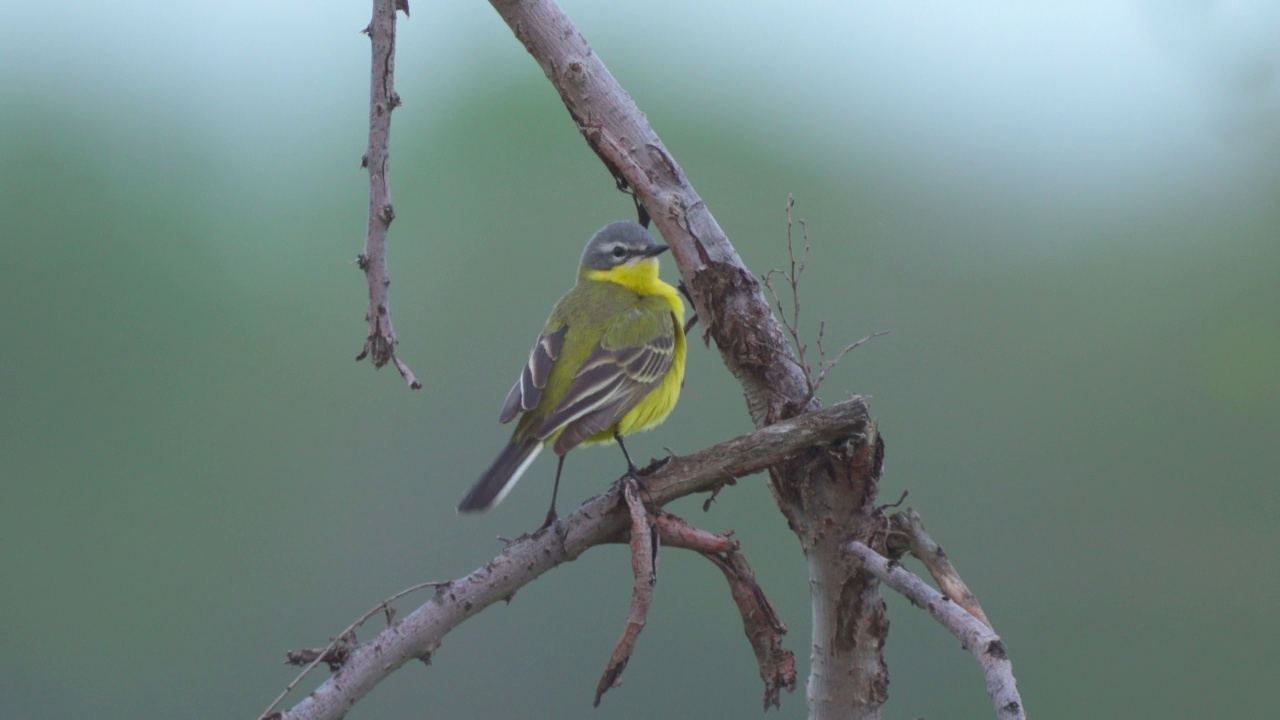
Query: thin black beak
{"x": 656, "y": 250}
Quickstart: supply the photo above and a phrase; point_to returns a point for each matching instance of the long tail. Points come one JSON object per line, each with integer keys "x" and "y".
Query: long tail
{"x": 501, "y": 476}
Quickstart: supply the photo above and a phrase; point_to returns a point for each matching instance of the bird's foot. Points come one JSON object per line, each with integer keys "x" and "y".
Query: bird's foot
{"x": 552, "y": 517}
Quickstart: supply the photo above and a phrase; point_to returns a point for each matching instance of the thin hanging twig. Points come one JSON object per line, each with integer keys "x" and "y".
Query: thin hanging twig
{"x": 380, "y": 345}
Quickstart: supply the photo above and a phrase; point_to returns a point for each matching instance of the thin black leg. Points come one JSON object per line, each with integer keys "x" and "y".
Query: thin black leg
{"x": 631, "y": 467}
{"x": 693, "y": 319}
{"x": 632, "y": 471}
{"x": 555, "y": 490}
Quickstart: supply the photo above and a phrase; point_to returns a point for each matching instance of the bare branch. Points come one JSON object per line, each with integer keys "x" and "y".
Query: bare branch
{"x": 727, "y": 297}
{"x": 792, "y": 277}
{"x": 336, "y": 652}
{"x": 825, "y": 366}
{"x": 764, "y": 629}
{"x": 675, "y": 532}
{"x": 908, "y": 535}
{"x": 974, "y": 635}
{"x": 380, "y": 346}
{"x": 762, "y": 625}
{"x": 598, "y": 521}
{"x": 826, "y": 495}
{"x": 792, "y": 324}
{"x": 644, "y": 565}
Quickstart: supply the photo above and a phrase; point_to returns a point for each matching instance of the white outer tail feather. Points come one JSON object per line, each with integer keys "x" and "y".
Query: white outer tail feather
{"x": 515, "y": 476}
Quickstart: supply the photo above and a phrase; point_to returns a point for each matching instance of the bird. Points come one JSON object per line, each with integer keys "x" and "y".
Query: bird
{"x": 609, "y": 362}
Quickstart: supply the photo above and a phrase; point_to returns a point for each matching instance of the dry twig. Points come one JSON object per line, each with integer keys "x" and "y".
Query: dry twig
{"x": 380, "y": 345}
{"x": 675, "y": 532}
{"x": 644, "y": 565}
{"x": 792, "y": 324}
{"x": 762, "y": 625}
{"x": 793, "y": 279}
{"x": 597, "y": 521}
{"x": 335, "y": 654}
{"x": 908, "y": 535}
{"x": 826, "y": 494}
{"x": 760, "y": 621}
{"x": 975, "y": 636}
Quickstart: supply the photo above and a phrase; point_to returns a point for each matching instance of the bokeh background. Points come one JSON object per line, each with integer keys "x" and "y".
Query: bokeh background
{"x": 1065, "y": 213}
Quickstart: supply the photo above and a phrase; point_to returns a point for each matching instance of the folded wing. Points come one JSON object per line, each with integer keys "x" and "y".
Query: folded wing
{"x": 527, "y": 391}
{"x": 630, "y": 360}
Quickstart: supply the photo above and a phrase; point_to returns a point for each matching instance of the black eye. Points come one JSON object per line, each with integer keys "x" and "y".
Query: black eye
{"x": 619, "y": 251}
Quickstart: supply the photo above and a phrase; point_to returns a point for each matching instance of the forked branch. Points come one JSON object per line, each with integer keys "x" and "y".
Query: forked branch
{"x": 974, "y": 635}
{"x": 826, "y": 495}
{"x": 907, "y": 535}
{"x": 763, "y": 627}
{"x": 335, "y": 653}
{"x": 600, "y": 520}
{"x": 792, "y": 324}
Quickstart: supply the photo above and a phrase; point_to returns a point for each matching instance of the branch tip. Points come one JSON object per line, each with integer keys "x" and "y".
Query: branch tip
{"x": 897, "y": 503}
{"x": 345, "y": 641}
{"x": 907, "y": 535}
{"x": 974, "y": 634}
{"x": 380, "y": 342}
{"x": 644, "y": 566}
{"x": 763, "y": 627}
{"x": 598, "y": 521}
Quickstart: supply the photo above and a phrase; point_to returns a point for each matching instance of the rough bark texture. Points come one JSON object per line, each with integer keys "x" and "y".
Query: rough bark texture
{"x": 644, "y": 568}
{"x": 760, "y": 621}
{"x": 908, "y": 535}
{"x": 380, "y": 345}
{"x": 974, "y": 634}
{"x": 600, "y": 520}
{"x": 827, "y": 496}
{"x": 848, "y": 678}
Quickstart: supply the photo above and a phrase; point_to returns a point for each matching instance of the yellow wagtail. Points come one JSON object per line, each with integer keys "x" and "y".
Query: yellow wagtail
{"x": 610, "y": 362}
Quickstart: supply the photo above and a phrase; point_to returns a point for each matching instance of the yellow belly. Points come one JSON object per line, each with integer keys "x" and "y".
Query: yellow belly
{"x": 656, "y": 406}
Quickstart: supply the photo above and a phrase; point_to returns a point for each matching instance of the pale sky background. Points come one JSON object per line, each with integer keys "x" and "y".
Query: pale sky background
{"x": 1108, "y": 93}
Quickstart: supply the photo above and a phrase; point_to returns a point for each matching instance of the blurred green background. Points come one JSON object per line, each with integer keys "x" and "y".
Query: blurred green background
{"x": 1065, "y": 213}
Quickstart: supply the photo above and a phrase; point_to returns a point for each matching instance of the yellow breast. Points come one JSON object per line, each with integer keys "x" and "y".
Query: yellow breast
{"x": 642, "y": 278}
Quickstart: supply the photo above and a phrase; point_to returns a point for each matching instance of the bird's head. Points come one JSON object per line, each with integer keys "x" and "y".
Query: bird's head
{"x": 622, "y": 247}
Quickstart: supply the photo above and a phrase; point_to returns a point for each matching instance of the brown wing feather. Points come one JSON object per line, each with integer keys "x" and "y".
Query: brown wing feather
{"x": 611, "y": 382}
{"x": 596, "y": 421}
{"x": 527, "y": 391}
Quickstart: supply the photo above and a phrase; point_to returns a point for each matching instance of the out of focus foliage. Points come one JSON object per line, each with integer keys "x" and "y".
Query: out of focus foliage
{"x": 1066, "y": 217}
